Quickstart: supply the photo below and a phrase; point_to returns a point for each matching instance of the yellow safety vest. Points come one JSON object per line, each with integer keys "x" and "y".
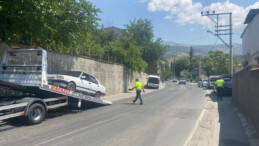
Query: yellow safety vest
{"x": 220, "y": 82}
{"x": 138, "y": 85}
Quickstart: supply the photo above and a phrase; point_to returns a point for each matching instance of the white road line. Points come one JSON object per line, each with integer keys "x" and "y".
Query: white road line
{"x": 196, "y": 125}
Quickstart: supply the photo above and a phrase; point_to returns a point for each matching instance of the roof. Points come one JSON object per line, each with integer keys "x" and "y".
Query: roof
{"x": 250, "y": 16}
{"x": 153, "y": 76}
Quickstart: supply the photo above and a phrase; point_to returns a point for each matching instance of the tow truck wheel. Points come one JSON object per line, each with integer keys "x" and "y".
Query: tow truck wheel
{"x": 97, "y": 94}
{"x": 36, "y": 114}
{"x": 71, "y": 86}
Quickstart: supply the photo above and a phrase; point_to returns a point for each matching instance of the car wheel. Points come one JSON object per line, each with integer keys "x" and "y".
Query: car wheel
{"x": 71, "y": 86}
{"x": 36, "y": 114}
{"x": 97, "y": 95}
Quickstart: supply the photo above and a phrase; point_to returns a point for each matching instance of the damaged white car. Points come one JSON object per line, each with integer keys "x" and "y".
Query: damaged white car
{"x": 78, "y": 81}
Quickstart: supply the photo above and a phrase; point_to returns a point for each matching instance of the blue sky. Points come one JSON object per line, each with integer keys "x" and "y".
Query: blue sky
{"x": 176, "y": 21}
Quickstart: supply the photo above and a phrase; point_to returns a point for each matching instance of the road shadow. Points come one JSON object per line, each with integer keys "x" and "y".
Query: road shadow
{"x": 130, "y": 103}
{"x": 17, "y": 122}
{"x": 231, "y": 129}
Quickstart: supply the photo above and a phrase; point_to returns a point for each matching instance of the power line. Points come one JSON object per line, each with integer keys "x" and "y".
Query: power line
{"x": 222, "y": 30}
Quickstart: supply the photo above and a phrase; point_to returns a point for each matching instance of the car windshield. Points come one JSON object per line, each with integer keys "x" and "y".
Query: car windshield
{"x": 153, "y": 80}
{"x": 72, "y": 73}
{"x": 213, "y": 79}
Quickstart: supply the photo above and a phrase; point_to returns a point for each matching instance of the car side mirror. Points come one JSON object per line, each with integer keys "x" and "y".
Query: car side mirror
{"x": 83, "y": 77}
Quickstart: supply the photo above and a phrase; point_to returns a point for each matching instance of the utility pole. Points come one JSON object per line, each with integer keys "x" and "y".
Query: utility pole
{"x": 223, "y": 30}
{"x": 199, "y": 64}
{"x": 174, "y": 68}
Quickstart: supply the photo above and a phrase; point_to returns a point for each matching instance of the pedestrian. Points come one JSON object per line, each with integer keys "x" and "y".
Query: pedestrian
{"x": 138, "y": 86}
{"x": 219, "y": 86}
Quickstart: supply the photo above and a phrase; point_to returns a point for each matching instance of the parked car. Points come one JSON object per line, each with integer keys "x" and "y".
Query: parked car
{"x": 212, "y": 81}
{"x": 174, "y": 80}
{"x": 182, "y": 81}
{"x": 78, "y": 81}
{"x": 227, "y": 89}
{"x": 202, "y": 83}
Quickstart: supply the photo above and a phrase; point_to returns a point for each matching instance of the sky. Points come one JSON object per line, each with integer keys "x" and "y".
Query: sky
{"x": 178, "y": 21}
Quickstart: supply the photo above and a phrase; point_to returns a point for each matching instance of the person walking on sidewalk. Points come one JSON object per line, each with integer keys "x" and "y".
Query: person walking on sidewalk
{"x": 138, "y": 86}
{"x": 219, "y": 86}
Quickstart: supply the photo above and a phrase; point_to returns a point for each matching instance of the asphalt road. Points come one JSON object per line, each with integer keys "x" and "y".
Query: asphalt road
{"x": 167, "y": 118}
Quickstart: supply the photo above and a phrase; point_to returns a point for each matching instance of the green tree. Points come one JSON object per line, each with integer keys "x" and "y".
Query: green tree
{"x": 141, "y": 31}
{"x": 187, "y": 74}
{"x": 54, "y": 25}
{"x": 132, "y": 57}
{"x": 165, "y": 70}
{"x": 191, "y": 53}
{"x": 216, "y": 63}
{"x": 181, "y": 64}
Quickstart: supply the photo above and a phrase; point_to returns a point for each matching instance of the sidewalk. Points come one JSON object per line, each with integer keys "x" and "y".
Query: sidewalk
{"x": 129, "y": 94}
{"x": 222, "y": 124}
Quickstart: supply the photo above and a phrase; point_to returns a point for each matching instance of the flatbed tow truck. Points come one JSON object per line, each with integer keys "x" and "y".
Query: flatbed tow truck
{"x": 25, "y": 70}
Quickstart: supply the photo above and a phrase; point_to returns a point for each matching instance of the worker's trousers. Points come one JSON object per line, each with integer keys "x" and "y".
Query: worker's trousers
{"x": 219, "y": 93}
{"x": 138, "y": 96}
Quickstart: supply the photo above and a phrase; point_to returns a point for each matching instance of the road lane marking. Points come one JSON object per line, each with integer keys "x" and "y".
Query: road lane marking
{"x": 196, "y": 126}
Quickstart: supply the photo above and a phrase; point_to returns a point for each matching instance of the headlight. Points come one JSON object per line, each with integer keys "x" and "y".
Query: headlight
{"x": 60, "y": 77}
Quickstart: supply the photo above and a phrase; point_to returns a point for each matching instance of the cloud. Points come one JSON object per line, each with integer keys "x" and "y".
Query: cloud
{"x": 168, "y": 17}
{"x": 189, "y": 12}
{"x": 142, "y": 1}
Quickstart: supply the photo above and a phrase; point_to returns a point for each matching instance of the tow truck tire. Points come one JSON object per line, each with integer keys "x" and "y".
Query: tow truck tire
{"x": 71, "y": 86}
{"x": 36, "y": 114}
{"x": 97, "y": 95}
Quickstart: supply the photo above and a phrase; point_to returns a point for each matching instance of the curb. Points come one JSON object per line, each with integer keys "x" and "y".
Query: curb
{"x": 196, "y": 125}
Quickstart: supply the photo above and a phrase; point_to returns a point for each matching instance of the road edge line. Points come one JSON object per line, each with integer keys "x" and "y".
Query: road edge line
{"x": 196, "y": 126}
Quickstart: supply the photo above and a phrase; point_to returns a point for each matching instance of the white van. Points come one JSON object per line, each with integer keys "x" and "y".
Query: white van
{"x": 212, "y": 81}
{"x": 153, "y": 81}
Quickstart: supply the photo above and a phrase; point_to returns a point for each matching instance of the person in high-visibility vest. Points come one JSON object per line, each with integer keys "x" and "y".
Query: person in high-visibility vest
{"x": 219, "y": 85}
{"x": 138, "y": 86}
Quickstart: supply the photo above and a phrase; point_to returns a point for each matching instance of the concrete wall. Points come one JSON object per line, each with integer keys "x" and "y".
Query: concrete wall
{"x": 250, "y": 38}
{"x": 246, "y": 92}
{"x": 115, "y": 77}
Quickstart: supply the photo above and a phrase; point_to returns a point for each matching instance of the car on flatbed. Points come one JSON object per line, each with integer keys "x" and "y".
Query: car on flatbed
{"x": 78, "y": 81}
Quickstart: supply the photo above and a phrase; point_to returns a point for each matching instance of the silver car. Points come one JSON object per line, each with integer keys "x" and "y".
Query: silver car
{"x": 202, "y": 83}
{"x": 182, "y": 81}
